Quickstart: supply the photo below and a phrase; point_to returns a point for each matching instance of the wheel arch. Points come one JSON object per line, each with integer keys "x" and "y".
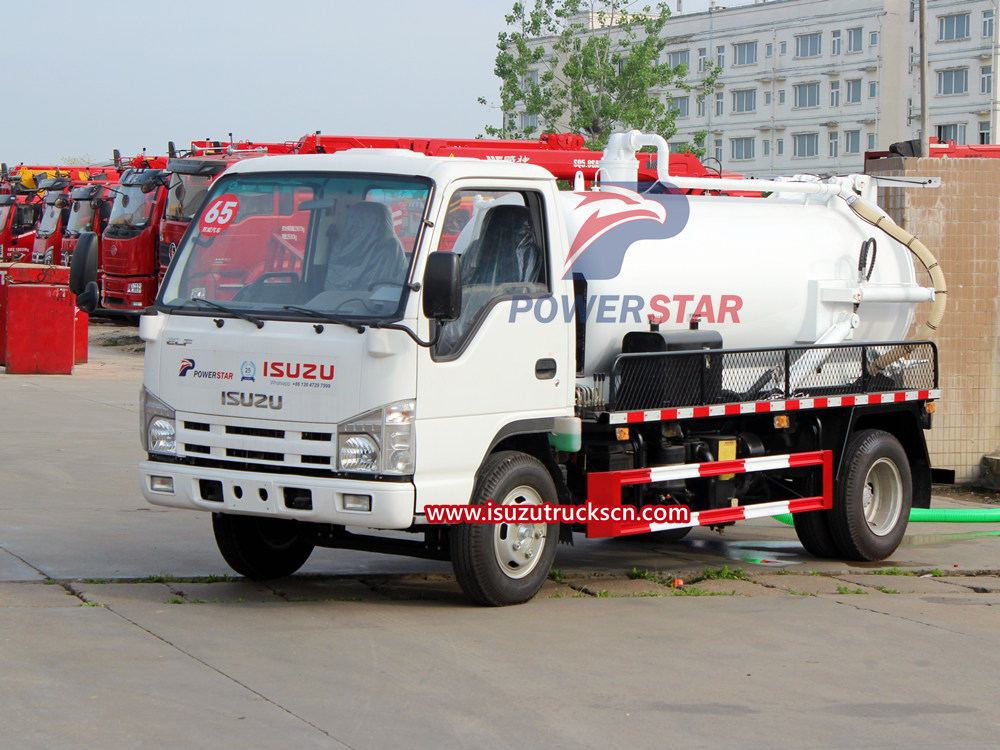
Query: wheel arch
{"x": 904, "y": 425}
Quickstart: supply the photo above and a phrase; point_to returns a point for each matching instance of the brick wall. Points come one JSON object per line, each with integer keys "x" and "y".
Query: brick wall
{"x": 960, "y": 223}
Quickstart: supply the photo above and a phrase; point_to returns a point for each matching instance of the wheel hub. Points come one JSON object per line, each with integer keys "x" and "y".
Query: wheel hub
{"x": 517, "y": 546}
{"x": 882, "y": 496}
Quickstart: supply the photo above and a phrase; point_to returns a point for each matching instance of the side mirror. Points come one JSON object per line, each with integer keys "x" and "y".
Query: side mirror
{"x": 90, "y": 297}
{"x": 83, "y": 264}
{"x": 443, "y": 286}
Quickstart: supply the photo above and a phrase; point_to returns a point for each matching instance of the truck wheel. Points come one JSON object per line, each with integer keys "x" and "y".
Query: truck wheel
{"x": 261, "y": 548}
{"x": 872, "y": 498}
{"x": 506, "y": 563}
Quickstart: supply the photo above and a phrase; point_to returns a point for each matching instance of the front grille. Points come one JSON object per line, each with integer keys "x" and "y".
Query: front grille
{"x": 256, "y": 440}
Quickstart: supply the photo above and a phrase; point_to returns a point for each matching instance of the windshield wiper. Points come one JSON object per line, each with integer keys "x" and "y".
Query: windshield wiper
{"x": 235, "y": 313}
{"x": 325, "y": 318}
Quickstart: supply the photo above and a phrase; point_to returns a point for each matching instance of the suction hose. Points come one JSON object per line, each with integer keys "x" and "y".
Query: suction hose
{"x": 880, "y": 221}
{"x": 936, "y": 515}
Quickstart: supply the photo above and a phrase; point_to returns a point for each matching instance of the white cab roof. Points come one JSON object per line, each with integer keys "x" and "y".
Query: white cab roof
{"x": 392, "y": 161}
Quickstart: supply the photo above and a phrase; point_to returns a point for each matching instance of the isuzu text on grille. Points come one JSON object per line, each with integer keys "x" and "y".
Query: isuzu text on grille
{"x": 258, "y": 400}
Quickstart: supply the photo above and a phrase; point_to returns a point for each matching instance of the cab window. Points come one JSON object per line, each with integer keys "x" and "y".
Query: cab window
{"x": 500, "y": 236}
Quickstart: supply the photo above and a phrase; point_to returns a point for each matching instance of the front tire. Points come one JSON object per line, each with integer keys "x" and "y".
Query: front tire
{"x": 873, "y": 495}
{"x": 261, "y": 548}
{"x": 506, "y": 563}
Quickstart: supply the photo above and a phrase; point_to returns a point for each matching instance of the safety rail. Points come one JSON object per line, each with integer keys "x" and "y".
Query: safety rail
{"x": 705, "y": 377}
{"x": 604, "y": 490}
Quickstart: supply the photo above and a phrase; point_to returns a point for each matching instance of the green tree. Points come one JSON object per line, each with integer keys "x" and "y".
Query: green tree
{"x": 588, "y": 66}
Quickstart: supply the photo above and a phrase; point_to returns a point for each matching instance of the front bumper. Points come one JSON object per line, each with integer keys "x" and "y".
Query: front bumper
{"x": 116, "y": 294}
{"x": 261, "y": 494}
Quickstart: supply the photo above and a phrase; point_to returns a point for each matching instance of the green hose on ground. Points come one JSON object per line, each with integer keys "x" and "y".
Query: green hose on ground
{"x": 936, "y": 515}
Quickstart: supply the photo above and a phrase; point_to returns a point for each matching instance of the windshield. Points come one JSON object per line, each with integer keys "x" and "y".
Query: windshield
{"x": 132, "y": 207}
{"x": 187, "y": 191}
{"x": 80, "y": 217}
{"x": 50, "y": 220}
{"x": 4, "y": 210}
{"x": 339, "y": 244}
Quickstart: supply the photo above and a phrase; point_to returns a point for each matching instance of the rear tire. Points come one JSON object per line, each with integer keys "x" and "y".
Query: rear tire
{"x": 261, "y": 548}
{"x": 813, "y": 529}
{"x": 872, "y": 497}
{"x": 500, "y": 564}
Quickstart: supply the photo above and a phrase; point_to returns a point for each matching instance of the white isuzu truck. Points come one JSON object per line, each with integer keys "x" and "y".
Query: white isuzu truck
{"x": 342, "y": 341}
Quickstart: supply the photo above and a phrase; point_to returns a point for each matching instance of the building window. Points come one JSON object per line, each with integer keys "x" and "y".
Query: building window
{"x": 745, "y": 100}
{"x": 700, "y": 106}
{"x": 720, "y": 56}
{"x": 805, "y": 144}
{"x": 853, "y": 40}
{"x": 808, "y": 45}
{"x": 783, "y": 48}
{"x": 528, "y": 122}
{"x": 834, "y": 93}
{"x": 872, "y": 89}
{"x": 984, "y": 132}
{"x": 985, "y": 79}
{"x": 871, "y": 141}
{"x": 680, "y": 57}
{"x": 766, "y": 146}
{"x": 872, "y": 38}
{"x": 767, "y": 97}
{"x": 834, "y": 42}
{"x": 781, "y": 97}
{"x": 720, "y": 103}
{"x": 768, "y": 50}
{"x": 955, "y": 26}
{"x": 780, "y": 146}
{"x": 988, "y": 24}
{"x": 718, "y": 150}
{"x": 953, "y": 132}
{"x": 745, "y": 53}
{"x": 852, "y": 141}
{"x": 702, "y": 59}
{"x": 742, "y": 148}
{"x": 681, "y": 105}
{"x": 833, "y": 144}
{"x": 854, "y": 91}
{"x": 806, "y": 95}
{"x": 953, "y": 81}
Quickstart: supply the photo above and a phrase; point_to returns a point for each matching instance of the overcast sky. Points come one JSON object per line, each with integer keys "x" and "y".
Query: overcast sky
{"x": 86, "y": 76}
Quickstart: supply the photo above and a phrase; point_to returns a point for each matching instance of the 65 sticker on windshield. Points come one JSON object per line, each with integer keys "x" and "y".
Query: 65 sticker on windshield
{"x": 219, "y": 215}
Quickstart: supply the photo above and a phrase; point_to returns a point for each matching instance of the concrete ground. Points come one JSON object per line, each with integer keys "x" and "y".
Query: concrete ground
{"x": 120, "y": 625}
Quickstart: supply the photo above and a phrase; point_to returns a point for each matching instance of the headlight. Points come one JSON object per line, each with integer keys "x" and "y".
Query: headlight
{"x": 380, "y": 441}
{"x": 358, "y": 453}
{"x": 161, "y": 436}
{"x": 157, "y": 430}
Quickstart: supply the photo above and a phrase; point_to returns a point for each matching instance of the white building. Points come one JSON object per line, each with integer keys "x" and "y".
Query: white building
{"x": 810, "y": 85}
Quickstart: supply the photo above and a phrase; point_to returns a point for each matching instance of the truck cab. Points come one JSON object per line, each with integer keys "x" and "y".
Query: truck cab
{"x": 130, "y": 241}
{"x": 333, "y": 382}
{"x": 48, "y": 239}
{"x": 89, "y": 209}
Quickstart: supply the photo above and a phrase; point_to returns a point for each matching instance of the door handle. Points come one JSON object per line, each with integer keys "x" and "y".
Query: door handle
{"x": 545, "y": 369}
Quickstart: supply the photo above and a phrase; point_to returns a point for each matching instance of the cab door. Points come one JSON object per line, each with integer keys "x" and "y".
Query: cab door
{"x": 505, "y": 366}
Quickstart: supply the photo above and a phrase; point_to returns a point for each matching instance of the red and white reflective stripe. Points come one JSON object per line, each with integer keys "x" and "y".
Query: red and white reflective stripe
{"x": 604, "y": 489}
{"x": 741, "y": 513}
{"x": 765, "y": 407}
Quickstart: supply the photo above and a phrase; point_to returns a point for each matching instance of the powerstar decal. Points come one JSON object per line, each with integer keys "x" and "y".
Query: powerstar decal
{"x": 188, "y": 366}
